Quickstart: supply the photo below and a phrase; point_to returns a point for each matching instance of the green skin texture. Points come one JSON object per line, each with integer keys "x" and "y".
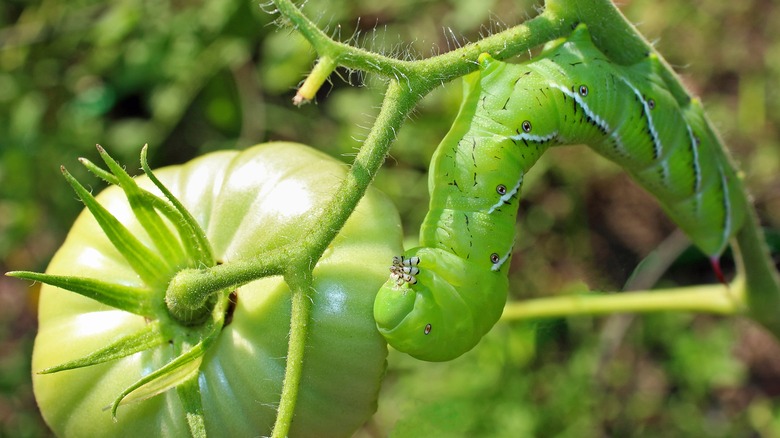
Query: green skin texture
{"x": 248, "y": 202}
{"x": 511, "y": 113}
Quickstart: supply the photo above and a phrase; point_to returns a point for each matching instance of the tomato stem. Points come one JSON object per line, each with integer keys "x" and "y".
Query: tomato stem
{"x": 189, "y": 394}
{"x": 761, "y": 277}
{"x": 300, "y": 282}
{"x": 190, "y": 292}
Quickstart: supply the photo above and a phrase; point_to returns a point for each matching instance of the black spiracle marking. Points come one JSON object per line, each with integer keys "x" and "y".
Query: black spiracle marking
{"x": 583, "y": 90}
{"x": 501, "y": 189}
{"x": 526, "y": 125}
{"x": 471, "y": 238}
{"x": 495, "y": 258}
{"x": 427, "y": 329}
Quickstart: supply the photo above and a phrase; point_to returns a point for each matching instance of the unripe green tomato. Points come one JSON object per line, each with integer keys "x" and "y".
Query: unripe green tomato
{"x": 247, "y": 202}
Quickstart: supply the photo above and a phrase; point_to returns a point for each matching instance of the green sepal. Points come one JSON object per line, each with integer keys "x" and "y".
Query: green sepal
{"x": 170, "y": 375}
{"x": 189, "y": 395}
{"x": 162, "y": 237}
{"x": 179, "y": 370}
{"x": 149, "y": 337}
{"x": 143, "y": 260}
{"x": 196, "y": 243}
{"x": 131, "y": 299}
{"x": 192, "y": 236}
{"x": 98, "y": 172}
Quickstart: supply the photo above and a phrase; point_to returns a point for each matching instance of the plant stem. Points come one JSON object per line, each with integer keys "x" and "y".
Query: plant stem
{"x": 340, "y": 53}
{"x": 395, "y": 108}
{"x": 761, "y": 277}
{"x": 300, "y": 282}
{"x": 421, "y": 76}
{"x": 189, "y": 292}
{"x": 717, "y": 299}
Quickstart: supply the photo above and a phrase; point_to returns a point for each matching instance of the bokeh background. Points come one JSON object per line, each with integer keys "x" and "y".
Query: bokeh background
{"x": 188, "y": 77}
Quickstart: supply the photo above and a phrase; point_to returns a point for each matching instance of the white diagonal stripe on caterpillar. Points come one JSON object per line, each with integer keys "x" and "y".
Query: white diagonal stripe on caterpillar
{"x": 657, "y": 146}
{"x": 726, "y": 206}
{"x": 524, "y": 136}
{"x": 696, "y": 165}
{"x": 600, "y": 122}
{"x": 505, "y": 198}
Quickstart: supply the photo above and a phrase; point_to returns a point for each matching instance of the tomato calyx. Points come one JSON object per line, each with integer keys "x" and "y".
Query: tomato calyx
{"x": 179, "y": 245}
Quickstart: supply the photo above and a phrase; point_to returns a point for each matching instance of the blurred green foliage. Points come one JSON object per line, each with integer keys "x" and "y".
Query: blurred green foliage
{"x": 188, "y": 77}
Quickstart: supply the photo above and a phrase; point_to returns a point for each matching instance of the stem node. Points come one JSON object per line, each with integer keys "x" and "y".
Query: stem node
{"x": 189, "y": 299}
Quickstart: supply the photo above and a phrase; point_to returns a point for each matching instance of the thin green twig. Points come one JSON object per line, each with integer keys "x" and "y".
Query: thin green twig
{"x": 717, "y": 299}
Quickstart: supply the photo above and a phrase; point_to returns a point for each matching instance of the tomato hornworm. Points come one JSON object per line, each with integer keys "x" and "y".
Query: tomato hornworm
{"x": 442, "y": 297}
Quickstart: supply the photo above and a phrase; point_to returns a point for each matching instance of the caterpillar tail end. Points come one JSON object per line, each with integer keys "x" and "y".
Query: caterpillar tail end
{"x": 715, "y": 263}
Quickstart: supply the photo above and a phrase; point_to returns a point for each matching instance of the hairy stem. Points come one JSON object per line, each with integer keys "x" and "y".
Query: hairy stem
{"x": 190, "y": 292}
{"x": 300, "y": 282}
{"x": 395, "y": 108}
{"x": 761, "y": 277}
{"x": 421, "y": 76}
{"x": 394, "y": 111}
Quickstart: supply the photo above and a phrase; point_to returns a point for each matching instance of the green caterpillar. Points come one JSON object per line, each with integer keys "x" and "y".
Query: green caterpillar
{"x": 442, "y": 297}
